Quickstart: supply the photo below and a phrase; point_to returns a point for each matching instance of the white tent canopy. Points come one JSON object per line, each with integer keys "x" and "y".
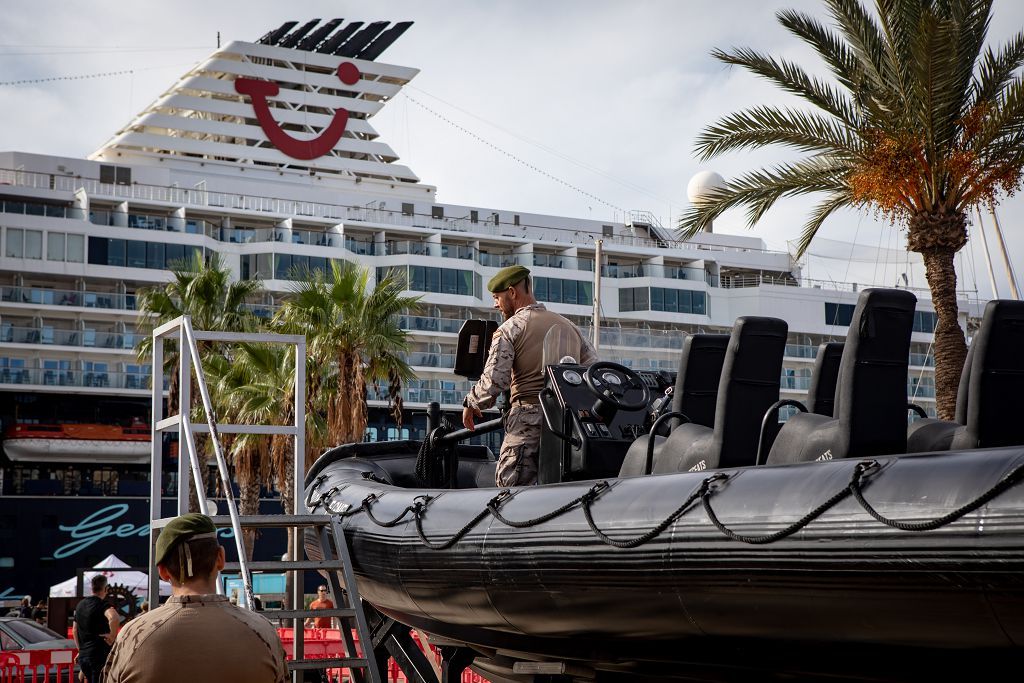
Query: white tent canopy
{"x": 116, "y": 571}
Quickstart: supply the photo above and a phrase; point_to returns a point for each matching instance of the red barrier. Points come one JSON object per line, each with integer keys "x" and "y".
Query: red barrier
{"x": 322, "y": 643}
{"x": 32, "y": 666}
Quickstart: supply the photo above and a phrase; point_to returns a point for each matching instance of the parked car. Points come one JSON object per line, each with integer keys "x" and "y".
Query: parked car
{"x": 21, "y": 637}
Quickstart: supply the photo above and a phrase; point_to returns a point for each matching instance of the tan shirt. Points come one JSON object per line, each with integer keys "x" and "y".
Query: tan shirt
{"x": 515, "y": 359}
{"x": 197, "y": 639}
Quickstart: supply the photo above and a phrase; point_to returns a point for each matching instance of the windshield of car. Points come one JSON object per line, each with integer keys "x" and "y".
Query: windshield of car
{"x": 30, "y": 632}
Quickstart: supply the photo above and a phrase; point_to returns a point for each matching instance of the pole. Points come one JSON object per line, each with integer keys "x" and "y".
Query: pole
{"x": 597, "y": 293}
{"x": 988, "y": 256}
{"x": 1006, "y": 259}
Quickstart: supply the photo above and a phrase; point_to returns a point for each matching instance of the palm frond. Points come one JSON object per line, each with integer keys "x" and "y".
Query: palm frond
{"x": 764, "y": 126}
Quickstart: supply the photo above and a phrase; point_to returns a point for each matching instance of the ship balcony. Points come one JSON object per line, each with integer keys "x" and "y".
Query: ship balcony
{"x": 44, "y": 296}
{"x": 87, "y": 338}
{"x": 39, "y": 379}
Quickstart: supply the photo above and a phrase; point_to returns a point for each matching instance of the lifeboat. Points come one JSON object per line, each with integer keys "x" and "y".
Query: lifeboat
{"x": 78, "y": 442}
{"x": 708, "y": 540}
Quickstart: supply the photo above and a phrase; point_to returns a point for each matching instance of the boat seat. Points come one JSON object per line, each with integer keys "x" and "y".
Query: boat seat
{"x": 870, "y": 411}
{"x": 694, "y": 395}
{"x": 989, "y": 402}
{"x": 748, "y": 385}
{"x": 821, "y": 395}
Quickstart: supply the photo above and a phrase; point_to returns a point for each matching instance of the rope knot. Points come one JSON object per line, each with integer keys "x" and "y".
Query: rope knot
{"x": 595, "y": 491}
{"x": 707, "y": 487}
{"x": 502, "y": 496}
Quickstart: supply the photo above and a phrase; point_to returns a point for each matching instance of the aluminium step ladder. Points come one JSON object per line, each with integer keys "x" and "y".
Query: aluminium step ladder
{"x": 336, "y": 563}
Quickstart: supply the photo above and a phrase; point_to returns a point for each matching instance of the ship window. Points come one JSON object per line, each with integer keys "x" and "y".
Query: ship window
{"x": 474, "y": 216}
{"x": 515, "y": 219}
{"x": 15, "y": 243}
{"x": 76, "y": 248}
{"x": 55, "y": 246}
{"x": 838, "y": 314}
{"x": 407, "y": 208}
{"x": 925, "y": 321}
{"x": 33, "y": 244}
{"x": 115, "y": 252}
{"x": 136, "y": 254}
{"x": 437, "y": 212}
{"x": 155, "y": 255}
{"x": 607, "y": 231}
{"x": 497, "y": 218}
{"x": 115, "y": 175}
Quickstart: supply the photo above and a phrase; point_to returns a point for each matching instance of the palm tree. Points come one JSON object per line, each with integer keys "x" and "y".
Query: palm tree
{"x": 206, "y": 292}
{"x": 354, "y": 330}
{"x": 922, "y": 124}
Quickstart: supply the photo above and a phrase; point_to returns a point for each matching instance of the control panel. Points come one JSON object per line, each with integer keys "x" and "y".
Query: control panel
{"x": 592, "y": 415}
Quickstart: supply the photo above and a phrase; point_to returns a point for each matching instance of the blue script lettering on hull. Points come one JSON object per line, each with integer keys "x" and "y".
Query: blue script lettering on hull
{"x": 99, "y": 525}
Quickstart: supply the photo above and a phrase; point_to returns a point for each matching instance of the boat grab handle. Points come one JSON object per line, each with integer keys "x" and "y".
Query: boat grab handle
{"x": 773, "y": 410}
{"x": 672, "y": 414}
{"x": 576, "y": 443}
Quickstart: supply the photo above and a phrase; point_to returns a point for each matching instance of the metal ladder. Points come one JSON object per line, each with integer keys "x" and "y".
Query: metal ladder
{"x": 337, "y": 563}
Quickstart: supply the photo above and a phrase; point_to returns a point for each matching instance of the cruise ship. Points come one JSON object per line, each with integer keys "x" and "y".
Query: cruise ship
{"x": 265, "y": 153}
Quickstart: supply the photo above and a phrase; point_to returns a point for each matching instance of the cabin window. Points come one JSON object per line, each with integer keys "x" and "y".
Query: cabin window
{"x": 55, "y": 246}
{"x": 115, "y": 175}
{"x": 838, "y": 314}
{"x": 607, "y": 231}
{"x": 437, "y": 212}
{"x": 407, "y": 208}
{"x": 474, "y": 216}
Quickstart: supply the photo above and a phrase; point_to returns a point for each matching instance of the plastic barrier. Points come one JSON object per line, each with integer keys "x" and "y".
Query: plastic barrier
{"x": 38, "y": 666}
{"x": 322, "y": 643}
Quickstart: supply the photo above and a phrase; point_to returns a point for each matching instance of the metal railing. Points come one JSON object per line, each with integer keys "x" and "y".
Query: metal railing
{"x": 189, "y": 361}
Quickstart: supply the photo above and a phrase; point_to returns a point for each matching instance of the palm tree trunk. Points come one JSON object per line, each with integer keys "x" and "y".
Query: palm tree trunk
{"x": 937, "y": 237}
{"x": 249, "y": 504}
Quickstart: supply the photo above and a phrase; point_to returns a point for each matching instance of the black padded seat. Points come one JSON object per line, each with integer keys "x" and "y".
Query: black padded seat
{"x": 989, "y": 402}
{"x": 749, "y": 384}
{"x": 694, "y": 395}
{"x": 821, "y": 395}
{"x": 870, "y": 412}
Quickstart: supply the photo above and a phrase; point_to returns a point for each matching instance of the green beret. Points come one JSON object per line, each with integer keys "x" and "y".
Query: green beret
{"x": 183, "y": 528}
{"x": 507, "y": 277}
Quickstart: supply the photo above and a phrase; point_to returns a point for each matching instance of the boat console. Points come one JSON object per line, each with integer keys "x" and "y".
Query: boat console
{"x": 591, "y": 416}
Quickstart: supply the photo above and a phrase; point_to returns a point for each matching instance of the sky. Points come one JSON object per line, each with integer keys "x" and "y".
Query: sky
{"x": 584, "y": 108}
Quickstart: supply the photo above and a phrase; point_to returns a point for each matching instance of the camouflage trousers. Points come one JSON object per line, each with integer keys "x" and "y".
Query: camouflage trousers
{"x": 517, "y": 462}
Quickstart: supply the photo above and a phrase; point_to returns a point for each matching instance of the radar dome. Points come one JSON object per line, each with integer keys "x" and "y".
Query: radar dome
{"x": 701, "y": 183}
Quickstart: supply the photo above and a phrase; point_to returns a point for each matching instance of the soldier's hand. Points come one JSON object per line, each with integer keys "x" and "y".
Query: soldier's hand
{"x": 467, "y": 417}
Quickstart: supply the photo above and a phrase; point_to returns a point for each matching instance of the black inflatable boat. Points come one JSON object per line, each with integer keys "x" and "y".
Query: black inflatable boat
{"x": 729, "y": 547}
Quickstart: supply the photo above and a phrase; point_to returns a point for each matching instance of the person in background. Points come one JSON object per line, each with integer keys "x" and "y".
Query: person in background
{"x": 323, "y": 601}
{"x": 25, "y": 609}
{"x": 96, "y": 627}
{"x": 39, "y": 613}
{"x": 196, "y": 636}
{"x": 515, "y": 363}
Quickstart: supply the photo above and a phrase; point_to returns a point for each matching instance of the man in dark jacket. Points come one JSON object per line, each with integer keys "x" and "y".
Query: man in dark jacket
{"x": 96, "y": 626}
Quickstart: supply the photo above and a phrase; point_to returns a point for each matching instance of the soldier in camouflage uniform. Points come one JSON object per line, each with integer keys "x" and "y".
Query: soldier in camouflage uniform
{"x": 196, "y": 636}
{"x": 515, "y": 363}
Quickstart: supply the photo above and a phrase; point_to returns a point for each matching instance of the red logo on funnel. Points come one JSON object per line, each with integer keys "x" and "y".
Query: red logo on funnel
{"x": 259, "y": 91}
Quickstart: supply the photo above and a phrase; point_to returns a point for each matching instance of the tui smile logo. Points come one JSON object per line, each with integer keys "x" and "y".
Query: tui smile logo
{"x": 259, "y": 91}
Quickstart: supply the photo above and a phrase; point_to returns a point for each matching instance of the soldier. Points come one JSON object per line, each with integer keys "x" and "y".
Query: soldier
{"x": 515, "y": 363}
{"x": 197, "y": 636}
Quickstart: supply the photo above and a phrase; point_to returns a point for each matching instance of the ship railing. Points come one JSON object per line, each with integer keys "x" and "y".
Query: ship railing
{"x": 281, "y": 208}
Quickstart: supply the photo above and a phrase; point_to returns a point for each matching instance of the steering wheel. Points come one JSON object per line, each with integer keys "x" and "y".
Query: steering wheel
{"x": 611, "y": 382}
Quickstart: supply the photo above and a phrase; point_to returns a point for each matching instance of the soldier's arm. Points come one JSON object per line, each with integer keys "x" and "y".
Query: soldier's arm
{"x": 497, "y": 374}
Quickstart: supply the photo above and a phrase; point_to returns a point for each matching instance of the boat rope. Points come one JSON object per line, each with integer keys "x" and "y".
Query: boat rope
{"x": 427, "y": 462}
{"x": 858, "y": 472}
{"x": 704, "y": 492}
{"x": 1009, "y": 480}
